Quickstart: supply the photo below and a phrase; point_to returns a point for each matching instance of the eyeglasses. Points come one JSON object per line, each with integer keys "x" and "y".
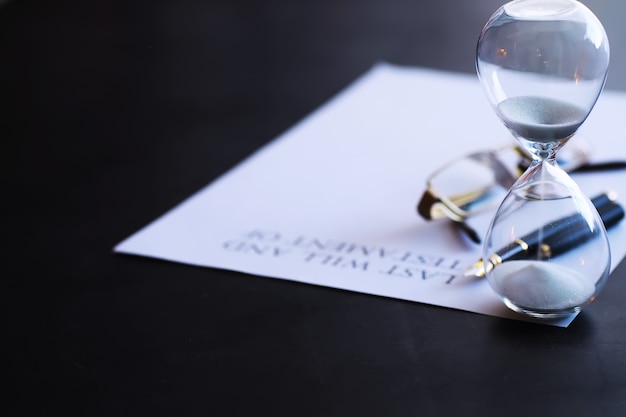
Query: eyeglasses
{"x": 477, "y": 182}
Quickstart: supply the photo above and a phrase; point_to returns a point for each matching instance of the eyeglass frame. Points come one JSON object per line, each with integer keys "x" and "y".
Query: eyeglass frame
{"x": 432, "y": 206}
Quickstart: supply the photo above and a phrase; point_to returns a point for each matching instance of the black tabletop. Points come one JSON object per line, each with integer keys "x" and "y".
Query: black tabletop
{"x": 115, "y": 111}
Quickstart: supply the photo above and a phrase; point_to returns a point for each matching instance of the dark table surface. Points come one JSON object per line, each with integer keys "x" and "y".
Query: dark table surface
{"x": 115, "y": 111}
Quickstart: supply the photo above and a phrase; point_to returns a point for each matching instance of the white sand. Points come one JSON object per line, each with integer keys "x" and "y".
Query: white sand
{"x": 541, "y": 285}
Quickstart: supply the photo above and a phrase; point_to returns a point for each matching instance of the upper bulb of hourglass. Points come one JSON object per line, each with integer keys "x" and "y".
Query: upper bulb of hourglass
{"x": 543, "y": 64}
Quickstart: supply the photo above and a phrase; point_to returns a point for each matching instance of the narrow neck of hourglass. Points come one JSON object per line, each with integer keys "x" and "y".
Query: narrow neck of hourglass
{"x": 544, "y": 179}
{"x": 543, "y": 151}
{"x": 546, "y": 159}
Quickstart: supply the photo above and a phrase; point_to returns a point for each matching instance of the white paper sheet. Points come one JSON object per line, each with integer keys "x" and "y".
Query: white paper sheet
{"x": 332, "y": 201}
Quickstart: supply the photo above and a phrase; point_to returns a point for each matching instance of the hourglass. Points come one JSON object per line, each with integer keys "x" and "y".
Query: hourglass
{"x": 543, "y": 64}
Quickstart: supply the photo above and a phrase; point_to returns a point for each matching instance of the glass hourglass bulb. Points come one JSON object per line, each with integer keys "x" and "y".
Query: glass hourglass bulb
{"x": 543, "y": 64}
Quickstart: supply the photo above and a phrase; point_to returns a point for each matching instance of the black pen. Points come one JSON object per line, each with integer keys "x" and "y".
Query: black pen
{"x": 598, "y": 202}
{"x": 556, "y": 238}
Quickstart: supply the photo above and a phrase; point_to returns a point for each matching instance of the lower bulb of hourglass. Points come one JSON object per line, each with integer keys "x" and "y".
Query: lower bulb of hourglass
{"x": 547, "y": 250}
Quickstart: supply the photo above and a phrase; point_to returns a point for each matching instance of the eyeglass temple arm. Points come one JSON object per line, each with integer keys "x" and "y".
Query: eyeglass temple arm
{"x": 601, "y": 166}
